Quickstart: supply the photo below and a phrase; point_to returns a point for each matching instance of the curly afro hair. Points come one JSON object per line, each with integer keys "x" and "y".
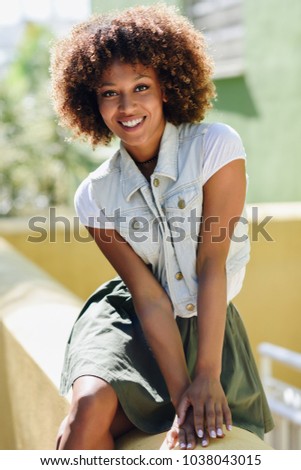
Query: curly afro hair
{"x": 155, "y": 36}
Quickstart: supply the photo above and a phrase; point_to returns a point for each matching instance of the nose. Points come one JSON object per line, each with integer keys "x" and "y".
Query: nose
{"x": 127, "y": 103}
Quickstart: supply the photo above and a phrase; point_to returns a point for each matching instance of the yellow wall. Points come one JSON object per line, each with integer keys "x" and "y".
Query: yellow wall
{"x": 270, "y": 302}
{"x": 78, "y": 265}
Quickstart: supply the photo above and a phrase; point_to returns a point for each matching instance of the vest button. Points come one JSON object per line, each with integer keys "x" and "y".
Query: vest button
{"x": 156, "y": 182}
{"x": 137, "y": 224}
{"x": 179, "y": 276}
{"x": 181, "y": 204}
{"x": 190, "y": 307}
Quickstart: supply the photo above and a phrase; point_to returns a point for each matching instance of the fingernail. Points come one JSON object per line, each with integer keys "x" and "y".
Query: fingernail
{"x": 220, "y": 432}
{"x": 189, "y": 446}
{"x": 204, "y": 443}
{"x": 229, "y": 427}
{"x": 200, "y": 433}
{"x": 212, "y": 433}
{"x": 182, "y": 445}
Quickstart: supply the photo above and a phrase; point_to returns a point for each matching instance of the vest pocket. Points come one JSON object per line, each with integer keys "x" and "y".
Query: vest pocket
{"x": 183, "y": 213}
{"x": 140, "y": 230}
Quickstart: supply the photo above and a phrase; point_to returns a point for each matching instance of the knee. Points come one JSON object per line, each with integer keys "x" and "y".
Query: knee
{"x": 93, "y": 408}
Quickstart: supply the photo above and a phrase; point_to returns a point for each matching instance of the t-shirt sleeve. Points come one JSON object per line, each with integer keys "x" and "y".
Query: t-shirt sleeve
{"x": 222, "y": 145}
{"x": 86, "y": 208}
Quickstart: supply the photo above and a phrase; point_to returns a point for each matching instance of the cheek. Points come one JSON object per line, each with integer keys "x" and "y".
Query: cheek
{"x": 104, "y": 112}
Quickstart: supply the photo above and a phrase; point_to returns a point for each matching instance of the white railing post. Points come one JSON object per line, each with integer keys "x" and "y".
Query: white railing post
{"x": 284, "y": 399}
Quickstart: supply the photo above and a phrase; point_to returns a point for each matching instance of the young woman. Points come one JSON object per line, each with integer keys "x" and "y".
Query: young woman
{"x": 160, "y": 347}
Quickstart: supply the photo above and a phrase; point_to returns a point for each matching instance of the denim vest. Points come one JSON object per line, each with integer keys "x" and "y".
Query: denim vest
{"x": 161, "y": 219}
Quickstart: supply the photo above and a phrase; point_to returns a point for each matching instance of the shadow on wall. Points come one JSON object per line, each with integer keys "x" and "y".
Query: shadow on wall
{"x": 233, "y": 95}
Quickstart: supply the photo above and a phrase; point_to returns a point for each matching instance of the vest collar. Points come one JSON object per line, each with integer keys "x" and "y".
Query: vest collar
{"x": 167, "y": 165}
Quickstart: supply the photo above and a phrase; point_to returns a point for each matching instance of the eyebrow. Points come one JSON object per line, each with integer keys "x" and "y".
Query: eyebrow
{"x": 138, "y": 77}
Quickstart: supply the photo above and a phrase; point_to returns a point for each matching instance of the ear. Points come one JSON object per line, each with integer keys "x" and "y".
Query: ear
{"x": 164, "y": 99}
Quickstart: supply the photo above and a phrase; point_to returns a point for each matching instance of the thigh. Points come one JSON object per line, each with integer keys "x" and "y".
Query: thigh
{"x": 121, "y": 423}
{"x": 90, "y": 385}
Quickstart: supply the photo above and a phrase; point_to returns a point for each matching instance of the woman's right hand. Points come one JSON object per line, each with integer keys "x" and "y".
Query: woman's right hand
{"x": 183, "y": 436}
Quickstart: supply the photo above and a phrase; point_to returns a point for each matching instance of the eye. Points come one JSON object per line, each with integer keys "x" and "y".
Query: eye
{"x": 109, "y": 93}
{"x": 141, "y": 88}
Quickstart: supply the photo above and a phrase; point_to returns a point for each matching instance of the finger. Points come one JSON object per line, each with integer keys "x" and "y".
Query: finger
{"x": 227, "y": 416}
{"x": 182, "y": 439}
{"x": 205, "y": 440}
{"x": 219, "y": 421}
{"x": 190, "y": 438}
{"x": 198, "y": 415}
{"x": 210, "y": 419}
{"x": 172, "y": 438}
{"x": 181, "y": 411}
{"x": 171, "y": 443}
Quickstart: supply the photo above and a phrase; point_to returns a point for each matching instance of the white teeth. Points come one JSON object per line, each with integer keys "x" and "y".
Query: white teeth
{"x": 133, "y": 123}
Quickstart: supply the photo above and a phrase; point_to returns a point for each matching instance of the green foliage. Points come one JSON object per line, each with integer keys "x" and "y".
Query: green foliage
{"x": 38, "y": 167}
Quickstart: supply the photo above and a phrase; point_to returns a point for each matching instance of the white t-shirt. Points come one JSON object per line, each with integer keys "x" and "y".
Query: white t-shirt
{"x": 222, "y": 144}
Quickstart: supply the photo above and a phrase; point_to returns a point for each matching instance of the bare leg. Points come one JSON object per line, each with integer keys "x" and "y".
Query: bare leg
{"x": 95, "y": 417}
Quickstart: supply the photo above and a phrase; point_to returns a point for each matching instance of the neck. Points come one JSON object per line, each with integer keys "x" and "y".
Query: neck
{"x": 146, "y": 162}
{"x": 143, "y": 151}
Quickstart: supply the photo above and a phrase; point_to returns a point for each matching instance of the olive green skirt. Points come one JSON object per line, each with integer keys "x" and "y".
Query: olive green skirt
{"x": 107, "y": 342}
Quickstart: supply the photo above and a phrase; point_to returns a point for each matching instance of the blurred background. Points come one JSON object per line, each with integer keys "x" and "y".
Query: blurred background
{"x": 256, "y": 47}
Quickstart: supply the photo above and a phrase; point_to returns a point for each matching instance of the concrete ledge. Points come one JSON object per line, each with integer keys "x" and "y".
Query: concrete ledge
{"x": 36, "y": 315}
{"x": 237, "y": 439}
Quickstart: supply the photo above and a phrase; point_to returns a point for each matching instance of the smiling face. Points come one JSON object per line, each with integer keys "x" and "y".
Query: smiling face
{"x": 130, "y": 101}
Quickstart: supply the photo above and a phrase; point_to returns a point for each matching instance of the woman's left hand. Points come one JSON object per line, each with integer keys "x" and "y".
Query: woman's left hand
{"x": 205, "y": 400}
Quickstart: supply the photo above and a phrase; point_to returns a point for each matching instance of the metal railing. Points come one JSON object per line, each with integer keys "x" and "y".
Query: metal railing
{"x": 284, "y": 399}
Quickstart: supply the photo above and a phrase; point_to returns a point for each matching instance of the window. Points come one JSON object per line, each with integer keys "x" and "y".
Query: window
{"x": 221, "y": 21}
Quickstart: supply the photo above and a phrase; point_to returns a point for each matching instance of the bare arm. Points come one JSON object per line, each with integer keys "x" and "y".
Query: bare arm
{"x": 153, "y": 309}
{"x": 224, "y": 196}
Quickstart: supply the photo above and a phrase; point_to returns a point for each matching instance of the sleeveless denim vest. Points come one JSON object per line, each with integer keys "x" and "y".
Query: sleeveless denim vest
{"x": 161, "y": 219}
